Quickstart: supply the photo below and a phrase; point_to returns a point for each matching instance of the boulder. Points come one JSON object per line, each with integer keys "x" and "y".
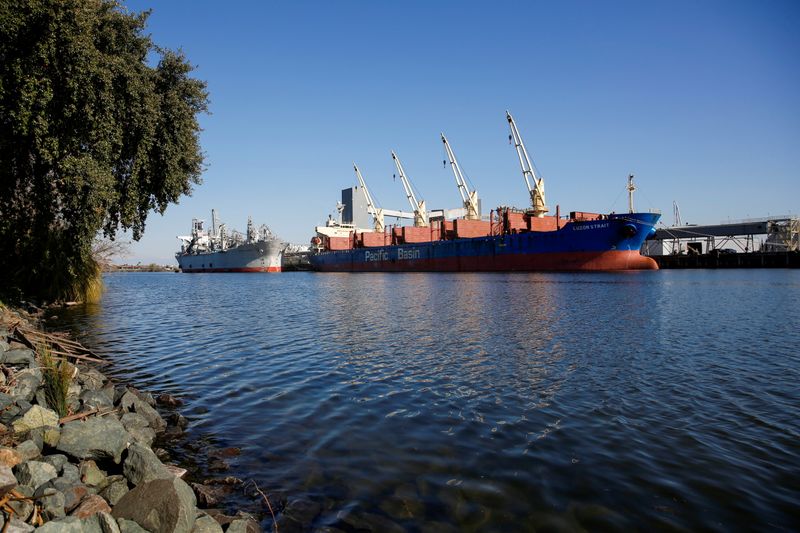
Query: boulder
{"x": 71, "y": 473}
{"x": 100, "y": 522}
{"x": 58, "y": 461}
{"x": 70, "y": 524}
{"x": 49, "y": 435}
{"x": 144, "y": 436}
{"x": 114, "y": 491}
{"x": 91, "y": 379}
{"x": 5, "y": 399}
{"x": 129, "y": 526}
{"x": 22, "y": 507}
{"x": 35, "y": 473}
{"x": 28, "y": 381}
{"x": 91, "y": 505}
{"x": 7, "y": 480}
{"x": 9, "y": 457}
{"x": 28, "y": 450}
{"x": 73, "y": 496}
{"x": 36, "y": 417}
{"x": 97, "y": 438}
{"x": 15, "y": 525}
{"x": 133, "y": 420}
{"x": 132, "y": 402}
{"x": 142, "y": 465}
{"x": 164, "y": 505}
{"x": 52, "y": 502}
{"x": 94, "y": 399}
{"x": 19, "y": 356}
{"x": 206, "y": 524}
{"x": 244, "y": 525}
{"x": 90, "y": 474}
{"x": 9, "y": 413}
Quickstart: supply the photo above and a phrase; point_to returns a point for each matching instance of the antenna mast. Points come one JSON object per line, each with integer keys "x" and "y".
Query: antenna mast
{"x": 631, "y": 188}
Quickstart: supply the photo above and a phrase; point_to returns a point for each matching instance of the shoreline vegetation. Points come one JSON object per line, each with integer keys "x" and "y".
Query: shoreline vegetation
{"x": 84, "y": 452}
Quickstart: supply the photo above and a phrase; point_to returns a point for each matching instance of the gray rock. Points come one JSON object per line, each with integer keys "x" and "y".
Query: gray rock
{"x": 52, "y": 502}
{"x": 9, "y": 413}
{"x": 114, "y": 491}
{"x": 138, "y": 426}
{"x": 71, "y": 473}
{"x": 28, "y": 450}
{"x": 94, "y": 399}
{"x": 73, "y": 496}
{"x": 19, "y": 356}
{"x": 243, "y": 525}
{"x": 100, "y": 522}
{"x": 144, "y": 436}
{"x": 35, "y": 473}
{"x": 69, "y": 524}
{"x": 27, "y": 383}
{"x": 7, "y": 480}
{"x": 107, "y": 523}
{"x": 142, "y": 465}
{"x": 91, "y": 379}
{"x": 164, "y": 505}
{"x": 129, "y": 526}
{"x": 49, "y": 435}
{"x": 35, "y": 417}
{"x": 91, "y": 474}
{"x": 131, "y": 402}
{"x": 133, "y": 420}
{"x": 15, "y": 525}
{"x": 57, "y": 460}
{"x": 22, "y": 508}
{"x": 5, "y": 399}
{"x": 97, "y": 438}
{"x": 4, "y": 347}
{"x": 206, "y": 524}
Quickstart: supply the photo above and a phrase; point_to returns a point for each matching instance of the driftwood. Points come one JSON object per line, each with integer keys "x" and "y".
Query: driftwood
{"x": 68, "y": 348}
{"x": 85, "y": 414}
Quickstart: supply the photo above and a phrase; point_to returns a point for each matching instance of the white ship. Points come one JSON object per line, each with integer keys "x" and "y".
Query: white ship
{"x": 218, "y": 250}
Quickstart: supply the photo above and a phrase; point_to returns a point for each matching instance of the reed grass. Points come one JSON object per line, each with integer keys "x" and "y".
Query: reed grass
{"x": 57, "y": 376}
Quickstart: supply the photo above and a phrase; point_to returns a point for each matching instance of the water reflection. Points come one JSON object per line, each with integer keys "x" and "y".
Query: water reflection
{"x": 481, "y": 401}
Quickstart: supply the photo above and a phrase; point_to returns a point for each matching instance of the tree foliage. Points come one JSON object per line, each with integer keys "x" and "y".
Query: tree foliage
{"x": 98, "y": 127}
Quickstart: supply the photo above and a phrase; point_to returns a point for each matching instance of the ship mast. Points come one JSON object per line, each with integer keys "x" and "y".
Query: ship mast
{"x": 420, "y": 214}
{"x": 469, "y": 199}
{"x": 374, "y": 211}
{"x": 631, "y": 188}
{"x": 536, "y": 190}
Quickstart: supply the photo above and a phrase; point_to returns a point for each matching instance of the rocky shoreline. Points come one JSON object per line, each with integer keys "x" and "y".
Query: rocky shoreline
{"x": 95, "y": 469}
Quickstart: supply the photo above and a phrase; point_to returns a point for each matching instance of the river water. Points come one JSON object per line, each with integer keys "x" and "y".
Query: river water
{"x": 482, "y": 402}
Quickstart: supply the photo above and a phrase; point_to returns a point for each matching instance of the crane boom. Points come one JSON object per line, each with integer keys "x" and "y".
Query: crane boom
{"x": 470, "y": 199}
{"x": 528, "y": 171}
{"x": 420, "y": 213}
{"x": 376, "y": 212}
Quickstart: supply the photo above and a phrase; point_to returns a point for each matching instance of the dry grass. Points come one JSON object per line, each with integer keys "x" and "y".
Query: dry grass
{"x": 57, "y": 376}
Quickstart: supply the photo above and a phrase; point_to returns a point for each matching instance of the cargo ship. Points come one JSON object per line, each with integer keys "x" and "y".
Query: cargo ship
{"x": 219, "y": 250}
{"x": 510, "y": 240}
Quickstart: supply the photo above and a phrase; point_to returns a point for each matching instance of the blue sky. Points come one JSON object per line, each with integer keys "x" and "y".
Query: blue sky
{"x": 698, "y": 99}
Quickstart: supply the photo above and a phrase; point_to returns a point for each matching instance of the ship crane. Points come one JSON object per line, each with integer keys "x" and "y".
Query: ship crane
{"x": 470, "y": 199}
{"x": 376, "y": 212}
{"x": 528, "y": 171}
{"x": 420, "y": 213}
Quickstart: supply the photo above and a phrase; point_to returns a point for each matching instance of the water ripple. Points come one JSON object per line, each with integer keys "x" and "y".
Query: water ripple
{"x": 483, "y": 401}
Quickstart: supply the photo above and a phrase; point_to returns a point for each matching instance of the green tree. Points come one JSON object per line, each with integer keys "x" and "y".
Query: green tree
{"x": 98, "y": 127}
